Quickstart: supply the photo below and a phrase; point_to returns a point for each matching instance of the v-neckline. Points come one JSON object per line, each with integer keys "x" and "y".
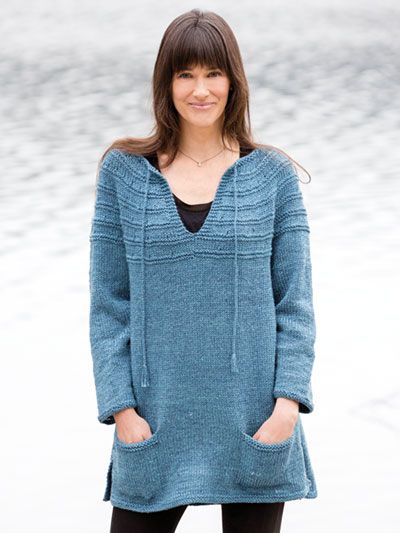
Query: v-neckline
{"x": 214, "y": 203}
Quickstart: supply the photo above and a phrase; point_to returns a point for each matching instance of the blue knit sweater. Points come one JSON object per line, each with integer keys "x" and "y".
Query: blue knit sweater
{"x": 201, "y": 332}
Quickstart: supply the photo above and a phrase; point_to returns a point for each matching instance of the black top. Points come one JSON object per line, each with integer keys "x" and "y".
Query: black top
{"x": 192, "y": 215}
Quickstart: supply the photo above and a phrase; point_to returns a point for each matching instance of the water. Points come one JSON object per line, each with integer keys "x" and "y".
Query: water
{"x": 324, "y": 81}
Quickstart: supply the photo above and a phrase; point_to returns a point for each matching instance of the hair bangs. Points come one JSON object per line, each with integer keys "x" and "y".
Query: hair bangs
{"x": 199, "y": 46}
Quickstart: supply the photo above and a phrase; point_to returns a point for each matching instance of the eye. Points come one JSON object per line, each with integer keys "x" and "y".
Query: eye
{"x": 184, "y": 74}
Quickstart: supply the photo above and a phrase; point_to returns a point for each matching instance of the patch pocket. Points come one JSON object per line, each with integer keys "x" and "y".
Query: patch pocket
{"x": 278, "y": 465}
{"x": 136, "y": 470}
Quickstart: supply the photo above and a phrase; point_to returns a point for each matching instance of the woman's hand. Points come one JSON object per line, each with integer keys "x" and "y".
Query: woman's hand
{"x": 280, "y": 425}
{"x": 131, "y": 427}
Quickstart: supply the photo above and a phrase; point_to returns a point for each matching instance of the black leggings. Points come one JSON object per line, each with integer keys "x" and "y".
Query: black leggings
{"x": 236, "y": 518}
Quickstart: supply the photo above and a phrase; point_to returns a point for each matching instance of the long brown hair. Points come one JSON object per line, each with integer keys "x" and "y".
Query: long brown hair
{"x": 195, "y": 38}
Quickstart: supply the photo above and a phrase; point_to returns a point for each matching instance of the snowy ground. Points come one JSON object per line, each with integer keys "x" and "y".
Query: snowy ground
{"x": 324, "y": 82}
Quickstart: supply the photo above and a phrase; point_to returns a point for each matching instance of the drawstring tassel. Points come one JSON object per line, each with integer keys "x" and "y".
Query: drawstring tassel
{"x": 234, "y": 367}
{"x": 145, "y": 376}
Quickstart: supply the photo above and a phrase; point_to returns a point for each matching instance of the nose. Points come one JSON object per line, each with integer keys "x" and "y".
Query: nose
{"x": 200, "y": 89}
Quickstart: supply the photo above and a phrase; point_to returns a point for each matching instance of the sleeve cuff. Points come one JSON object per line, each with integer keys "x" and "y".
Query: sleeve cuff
{"x": 106, "y": 417}
{"x": 306, "y": 405}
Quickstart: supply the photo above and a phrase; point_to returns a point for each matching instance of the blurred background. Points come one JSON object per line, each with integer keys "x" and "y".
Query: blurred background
{"x": 324, "y": 80}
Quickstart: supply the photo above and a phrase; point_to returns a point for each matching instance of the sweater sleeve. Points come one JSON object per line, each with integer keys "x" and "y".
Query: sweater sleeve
{"x": 293, "y": 295}
{"x": 109, "y": 303}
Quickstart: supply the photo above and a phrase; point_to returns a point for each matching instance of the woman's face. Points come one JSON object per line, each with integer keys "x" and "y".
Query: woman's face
{"x": 200, "y": 85}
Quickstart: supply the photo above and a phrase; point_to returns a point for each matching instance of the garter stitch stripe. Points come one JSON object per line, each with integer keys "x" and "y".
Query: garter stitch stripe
{"x": 201, "y": 332}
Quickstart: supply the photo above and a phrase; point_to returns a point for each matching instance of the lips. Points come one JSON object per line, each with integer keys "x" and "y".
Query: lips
{"x": 202, "y": 106}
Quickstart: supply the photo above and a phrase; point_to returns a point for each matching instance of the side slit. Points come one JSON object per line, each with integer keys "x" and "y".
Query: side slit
{"x": 107, "y": 492}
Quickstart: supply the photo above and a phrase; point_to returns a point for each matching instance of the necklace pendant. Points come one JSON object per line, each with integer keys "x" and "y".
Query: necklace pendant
{"x": 199, "y": 163}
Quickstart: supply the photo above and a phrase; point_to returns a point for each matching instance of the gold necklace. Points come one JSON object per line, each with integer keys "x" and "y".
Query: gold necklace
{"x": 199, "y": 163}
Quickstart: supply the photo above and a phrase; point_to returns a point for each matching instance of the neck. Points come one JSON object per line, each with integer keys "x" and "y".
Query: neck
{"x": 201, "y": 143}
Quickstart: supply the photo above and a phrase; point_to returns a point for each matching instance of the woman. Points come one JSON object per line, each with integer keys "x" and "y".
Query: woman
{"x": 201, "y": 320}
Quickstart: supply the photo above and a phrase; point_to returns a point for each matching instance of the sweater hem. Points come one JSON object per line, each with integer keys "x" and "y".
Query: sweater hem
{"x": 210, "y": 499}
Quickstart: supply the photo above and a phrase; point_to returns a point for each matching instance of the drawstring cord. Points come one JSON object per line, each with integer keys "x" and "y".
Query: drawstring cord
{"x": 234, "y": 367}
{"x": 145, "y": 382}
